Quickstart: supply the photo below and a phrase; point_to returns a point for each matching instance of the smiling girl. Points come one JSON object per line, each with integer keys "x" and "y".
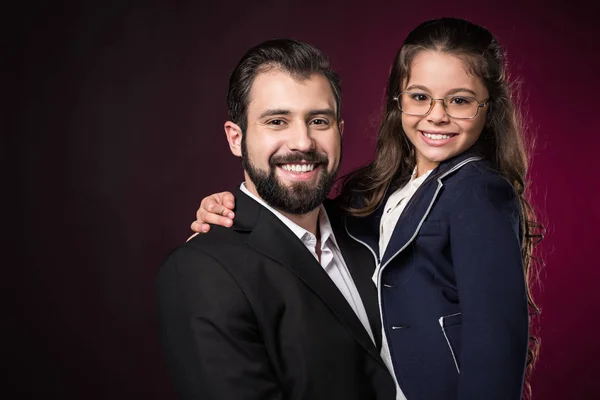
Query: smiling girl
{"x": 442, "y": 208}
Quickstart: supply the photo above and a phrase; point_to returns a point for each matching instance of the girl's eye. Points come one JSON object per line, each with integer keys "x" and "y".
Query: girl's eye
{"x": 460, "y": 101}
{"x": 420, "y": 97}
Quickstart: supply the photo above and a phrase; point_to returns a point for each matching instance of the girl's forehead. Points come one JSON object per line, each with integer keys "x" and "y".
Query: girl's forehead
{"x": 442, "y": 71}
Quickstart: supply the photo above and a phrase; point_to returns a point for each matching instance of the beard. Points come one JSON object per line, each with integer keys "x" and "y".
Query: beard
{"x": 298, "y": 197}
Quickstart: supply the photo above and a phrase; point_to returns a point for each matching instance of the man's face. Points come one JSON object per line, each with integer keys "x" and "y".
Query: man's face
{"x": 292, "y": 147}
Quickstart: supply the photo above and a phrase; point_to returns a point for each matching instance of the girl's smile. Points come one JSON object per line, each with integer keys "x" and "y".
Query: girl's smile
{"x": 435, "y": 135}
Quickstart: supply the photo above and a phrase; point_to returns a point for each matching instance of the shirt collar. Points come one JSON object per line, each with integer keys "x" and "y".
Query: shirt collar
{"x": 325, "y": 228}
{"x": 417, "y": 181}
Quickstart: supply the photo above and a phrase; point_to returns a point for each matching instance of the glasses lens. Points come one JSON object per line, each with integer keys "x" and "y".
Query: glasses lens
{"x": 461, "y": 106}
{"x": 414, "y": 103}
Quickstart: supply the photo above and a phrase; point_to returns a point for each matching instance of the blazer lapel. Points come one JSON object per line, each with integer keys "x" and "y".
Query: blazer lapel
{"x": 361, "y": 266}
{"x": 410, "y": 219}
{"x": 366, "y": 229}
{"x": 272, "y": 238}
{"x": 420, "y": 204}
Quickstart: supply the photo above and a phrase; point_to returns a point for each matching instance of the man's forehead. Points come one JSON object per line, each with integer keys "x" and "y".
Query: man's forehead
{"x": 278, "y": 89}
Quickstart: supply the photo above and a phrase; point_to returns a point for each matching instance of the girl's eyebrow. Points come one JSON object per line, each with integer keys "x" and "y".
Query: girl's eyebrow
{"x": 420, "y": 87}
{"x": 452, "y": 91}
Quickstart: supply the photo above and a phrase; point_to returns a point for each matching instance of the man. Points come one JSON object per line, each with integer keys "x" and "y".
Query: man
{"x": 270, "y": 309}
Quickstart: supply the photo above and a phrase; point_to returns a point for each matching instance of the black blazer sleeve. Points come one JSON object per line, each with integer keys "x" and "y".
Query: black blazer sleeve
{"x": 486, "y": 253}
{"x": 208, "y": 330}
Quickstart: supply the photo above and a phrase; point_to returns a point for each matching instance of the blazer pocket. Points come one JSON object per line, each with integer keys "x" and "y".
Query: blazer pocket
{"x": 450, "y": 325}
{"x": 430, "y": 228}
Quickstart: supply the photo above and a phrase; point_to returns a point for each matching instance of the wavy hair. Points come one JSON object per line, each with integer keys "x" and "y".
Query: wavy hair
{"x": 502, "y": 140}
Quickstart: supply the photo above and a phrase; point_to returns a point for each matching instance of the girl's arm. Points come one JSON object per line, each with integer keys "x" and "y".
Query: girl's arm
{"x": 486, "y": 253}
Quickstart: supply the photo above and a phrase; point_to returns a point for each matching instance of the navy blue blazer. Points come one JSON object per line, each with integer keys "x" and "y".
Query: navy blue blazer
{"x": 451, "y": 286}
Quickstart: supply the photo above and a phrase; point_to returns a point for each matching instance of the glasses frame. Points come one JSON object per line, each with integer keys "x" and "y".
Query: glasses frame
{"x": 480, "y": 104}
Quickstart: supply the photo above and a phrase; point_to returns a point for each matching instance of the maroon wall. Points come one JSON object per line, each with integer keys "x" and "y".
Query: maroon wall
{"x": 117, "y": 113}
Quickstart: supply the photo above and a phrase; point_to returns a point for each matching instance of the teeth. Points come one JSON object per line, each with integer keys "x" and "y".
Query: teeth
{"x": 298, "y": 167}
{"x": 436, "y": 136}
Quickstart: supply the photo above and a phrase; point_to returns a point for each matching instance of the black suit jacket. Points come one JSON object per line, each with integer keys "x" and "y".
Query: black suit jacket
{"x": 248, "y": 313}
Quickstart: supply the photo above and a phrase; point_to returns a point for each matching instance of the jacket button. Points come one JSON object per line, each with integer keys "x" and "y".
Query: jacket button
{"x": 400, "y": 327}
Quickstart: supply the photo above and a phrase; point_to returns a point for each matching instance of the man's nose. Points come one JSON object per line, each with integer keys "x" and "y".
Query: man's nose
{"x": 300, "y": 139}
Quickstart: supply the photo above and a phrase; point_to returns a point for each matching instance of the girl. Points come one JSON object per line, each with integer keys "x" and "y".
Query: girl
{"x": 443, "y": 211}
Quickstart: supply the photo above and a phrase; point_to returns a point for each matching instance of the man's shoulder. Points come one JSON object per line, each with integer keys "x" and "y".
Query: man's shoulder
{"x": 335, "y": 211}
{"x": 217, "y": 243}
{"x": 208, "y": 258}
{"x": 217, "y": 236}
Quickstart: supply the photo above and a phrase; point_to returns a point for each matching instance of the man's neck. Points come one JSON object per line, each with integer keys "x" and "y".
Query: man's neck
{"x": 307, "y": 221}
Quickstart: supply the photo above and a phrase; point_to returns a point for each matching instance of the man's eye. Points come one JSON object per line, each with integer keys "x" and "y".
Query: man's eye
{"x": 319, "y": 121}
{"x": 276, "y": 122}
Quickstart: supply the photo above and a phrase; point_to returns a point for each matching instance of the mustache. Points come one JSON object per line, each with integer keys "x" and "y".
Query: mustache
{"x": 311, "y": 157}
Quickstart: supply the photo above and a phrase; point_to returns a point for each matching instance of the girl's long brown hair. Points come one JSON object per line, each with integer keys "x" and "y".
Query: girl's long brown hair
{"x": 502, "y": 140}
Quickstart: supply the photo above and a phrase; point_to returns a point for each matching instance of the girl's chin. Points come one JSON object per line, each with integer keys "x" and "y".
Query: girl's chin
{"x": 431, "y": 159}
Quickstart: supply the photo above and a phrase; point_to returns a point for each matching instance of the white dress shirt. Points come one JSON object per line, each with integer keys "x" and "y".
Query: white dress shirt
{"x": 395, "y": 206}
{"x": 331, "y": 257}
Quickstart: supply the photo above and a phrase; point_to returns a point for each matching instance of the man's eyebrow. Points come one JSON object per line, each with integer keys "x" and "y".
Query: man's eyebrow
{"x": 325, "y": 111}
{"x": 280, "y": 111}
{"x": 274, "y": 111}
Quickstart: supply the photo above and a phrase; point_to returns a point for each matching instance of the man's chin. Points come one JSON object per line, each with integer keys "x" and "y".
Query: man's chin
{"x": 295, "y": 187}
{"x": 284, "y": 192}
{"x": 299, "y": 197}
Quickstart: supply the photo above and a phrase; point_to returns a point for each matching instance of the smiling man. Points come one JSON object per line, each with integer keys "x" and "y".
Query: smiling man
{"x": 277, "y": 307}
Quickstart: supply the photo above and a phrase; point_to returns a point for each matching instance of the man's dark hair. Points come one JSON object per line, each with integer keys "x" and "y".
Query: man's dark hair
{"x": 299, "y": 59}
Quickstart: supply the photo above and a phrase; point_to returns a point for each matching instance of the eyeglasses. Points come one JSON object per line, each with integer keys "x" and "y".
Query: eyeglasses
{"x": 459, "y": 107}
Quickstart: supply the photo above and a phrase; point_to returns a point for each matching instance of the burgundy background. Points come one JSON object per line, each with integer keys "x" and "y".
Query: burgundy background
{"x": 115, "y": 134}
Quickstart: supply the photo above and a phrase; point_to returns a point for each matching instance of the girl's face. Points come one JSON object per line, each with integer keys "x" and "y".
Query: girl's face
{"x": 436, "y": 136}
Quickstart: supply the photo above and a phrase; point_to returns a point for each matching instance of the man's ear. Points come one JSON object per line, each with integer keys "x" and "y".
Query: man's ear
{"x": 341, "y": 126}
{"x": 234, "y": 137}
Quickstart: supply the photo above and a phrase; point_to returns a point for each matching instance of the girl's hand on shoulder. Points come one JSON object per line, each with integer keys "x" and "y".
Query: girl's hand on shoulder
{"x": 215, "y": 209}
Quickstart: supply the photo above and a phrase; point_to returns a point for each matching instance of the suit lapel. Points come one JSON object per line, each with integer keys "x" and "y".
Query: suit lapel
{"x": 272, "y": 238}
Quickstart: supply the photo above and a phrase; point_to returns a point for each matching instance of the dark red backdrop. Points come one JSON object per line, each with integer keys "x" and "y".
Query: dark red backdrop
{"x": 118, "y": 112}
